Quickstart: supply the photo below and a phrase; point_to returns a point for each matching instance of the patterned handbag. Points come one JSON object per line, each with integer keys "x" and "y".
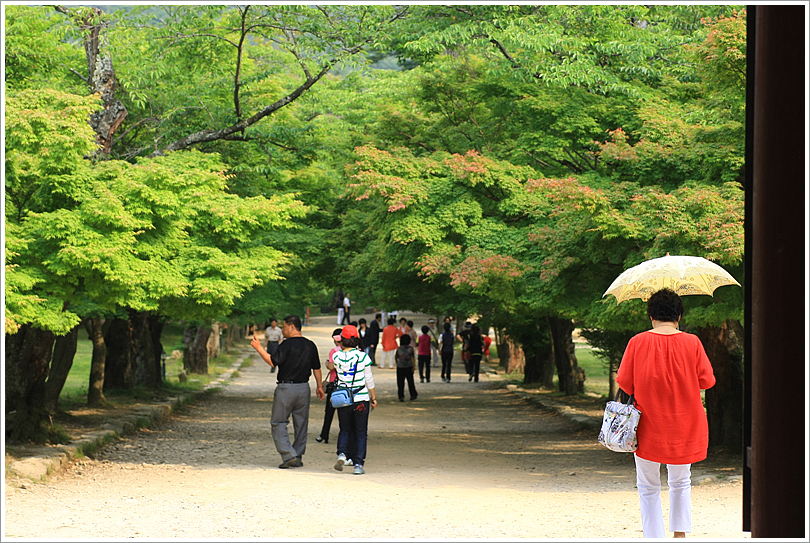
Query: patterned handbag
{"x": 619, "y": 426}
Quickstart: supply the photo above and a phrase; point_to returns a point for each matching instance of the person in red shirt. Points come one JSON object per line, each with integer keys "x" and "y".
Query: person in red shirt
{"x": 390, "y": 334}
{"x": 665, "y": 369}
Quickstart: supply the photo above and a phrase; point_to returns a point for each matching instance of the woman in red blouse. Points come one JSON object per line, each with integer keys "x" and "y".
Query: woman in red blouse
{"x": 665, "y": 369}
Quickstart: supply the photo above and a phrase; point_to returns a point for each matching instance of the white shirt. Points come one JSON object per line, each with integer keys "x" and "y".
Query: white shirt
{"x": 346, "y": 302}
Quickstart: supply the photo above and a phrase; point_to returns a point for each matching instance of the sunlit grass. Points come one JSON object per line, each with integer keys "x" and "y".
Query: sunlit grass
{"x": 76, "y": 385}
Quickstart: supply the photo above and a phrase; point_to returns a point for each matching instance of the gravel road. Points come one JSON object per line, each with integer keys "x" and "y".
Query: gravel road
{"x": 464, "y": 461}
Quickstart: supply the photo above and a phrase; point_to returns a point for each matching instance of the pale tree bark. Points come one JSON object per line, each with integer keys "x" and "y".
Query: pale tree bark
{"x": 196, "y": 353}
{"x": 213, "y": 341}
{"x": 100, "y": 75}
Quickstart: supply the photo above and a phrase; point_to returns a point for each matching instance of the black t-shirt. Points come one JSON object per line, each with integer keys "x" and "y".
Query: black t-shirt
{"x": 475, "y": 344}
{"x": 296, "y": 358}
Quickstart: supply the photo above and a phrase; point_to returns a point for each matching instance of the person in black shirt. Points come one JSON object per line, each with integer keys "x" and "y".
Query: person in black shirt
{"x": 296, "y": 359}
{"x": 373, "y": 335}
{"x": 475, "y": 346}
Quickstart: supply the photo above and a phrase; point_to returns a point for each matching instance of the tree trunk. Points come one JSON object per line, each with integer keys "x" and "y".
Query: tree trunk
{"x": 119, "y": 365}
{"x": 612, "y": 372}
{"x": 198, "y": 353}
{"x": 571, "y": 376}
{"x": 724, "y": 401}
{"x": 188, "y": 339}
{"x": 213, "y": 341}
{"x": 28, "y": 353}
{"x": 95, "y": 390}
{"x": 539, "y": 358}
{"x": 100, "y": 77}
{"x": 156, "y": 331}
{"x": 146, "y": 371}
{"x": 233, "y": 336}
{"x": 512, "y": 357}
{"x": 64, "y": 351}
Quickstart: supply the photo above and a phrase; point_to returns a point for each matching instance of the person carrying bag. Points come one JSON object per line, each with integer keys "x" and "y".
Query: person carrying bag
{"x": 353, "y": 399}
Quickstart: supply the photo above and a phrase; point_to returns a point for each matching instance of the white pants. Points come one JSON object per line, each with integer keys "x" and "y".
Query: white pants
{"x": 388, "y": 358}
{"x": 648, "y": 481}
{"x": 340, "y": 315}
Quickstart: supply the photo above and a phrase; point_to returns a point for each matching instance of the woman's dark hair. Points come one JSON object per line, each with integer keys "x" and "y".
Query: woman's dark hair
{"x": 405, "y": 339}
{"x": 665, "y": 305}
{"x": 425, "y": 328}
{"x": 350, "y": 341}
{"x": 294, "y": 321}
{"x": 362, "y": 321}
{"x": 475, "y": 330}
{"x": 392, "y": 320}
{"x": 410, "y": 324}
{"x": 447, "y": 327}
{"x": 337, "y": 332}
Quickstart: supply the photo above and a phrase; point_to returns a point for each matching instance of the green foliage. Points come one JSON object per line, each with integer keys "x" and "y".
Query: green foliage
{"x": 39, "y": 44}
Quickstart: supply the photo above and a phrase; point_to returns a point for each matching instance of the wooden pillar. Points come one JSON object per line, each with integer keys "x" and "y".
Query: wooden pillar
{"x": 778, "y": 243}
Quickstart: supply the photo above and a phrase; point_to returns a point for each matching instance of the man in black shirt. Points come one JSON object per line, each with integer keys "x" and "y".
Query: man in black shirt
{"x": 296, "y": 359}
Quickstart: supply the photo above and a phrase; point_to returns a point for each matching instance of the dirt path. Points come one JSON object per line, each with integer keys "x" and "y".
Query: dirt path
{"x": 464, "y": 461}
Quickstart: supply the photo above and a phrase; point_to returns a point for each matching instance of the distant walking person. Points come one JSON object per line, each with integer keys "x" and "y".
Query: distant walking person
{"x": 423, "y": 354}
{"x": 296, "y": 360}
{"x": 390, "y": 334}
{"x": 347, "y": 309}
{"x": 447, "y": 342}
{"x": 411, "y": 332}
{"x": 434, "y": 343}
{"x": 405, "y": 368}
{"x": 329, "y": 385}
{"x": 374, "y": 331}
{"x": 273, "y": 338}
{"x": 475, "y": 347}
{"x": 337, "y": 302}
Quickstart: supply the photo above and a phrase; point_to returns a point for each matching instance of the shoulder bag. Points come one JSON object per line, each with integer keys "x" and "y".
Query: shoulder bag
{"x": 619, "y": 426}
{"x": 344, "y": 397}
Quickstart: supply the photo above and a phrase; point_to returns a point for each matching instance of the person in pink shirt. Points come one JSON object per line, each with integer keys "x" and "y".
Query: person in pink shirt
{"x": 390, "y": 334}
{"x": 665, "y": 369}
{"x": 329, "y": 386}
{"x": 423, "y": 354}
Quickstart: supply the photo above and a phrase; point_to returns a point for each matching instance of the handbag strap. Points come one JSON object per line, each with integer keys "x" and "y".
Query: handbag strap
{"x": 354, "y": 376}
{"x": 630, "y": 401}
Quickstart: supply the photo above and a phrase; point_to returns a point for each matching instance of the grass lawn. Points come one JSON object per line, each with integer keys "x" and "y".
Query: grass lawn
{"x": 596, "y": 372}
{"x": 75, "y": 389}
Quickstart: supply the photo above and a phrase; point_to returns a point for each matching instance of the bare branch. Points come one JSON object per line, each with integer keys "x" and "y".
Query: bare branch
{"x": 205, "y": 136}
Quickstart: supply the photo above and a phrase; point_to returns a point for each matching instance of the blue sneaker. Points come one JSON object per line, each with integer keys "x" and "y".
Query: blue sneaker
{"x": 358, "y": 470}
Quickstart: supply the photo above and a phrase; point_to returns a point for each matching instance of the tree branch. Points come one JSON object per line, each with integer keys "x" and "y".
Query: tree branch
{"x": 236, "y": 84}
{"x": 205, "y": 136}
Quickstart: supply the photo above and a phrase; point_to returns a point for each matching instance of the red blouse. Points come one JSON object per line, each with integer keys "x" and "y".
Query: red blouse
{"x": 666, "y": 374}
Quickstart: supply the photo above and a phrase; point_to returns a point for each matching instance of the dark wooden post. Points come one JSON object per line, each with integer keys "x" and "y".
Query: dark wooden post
{"x": 777, "y": 233}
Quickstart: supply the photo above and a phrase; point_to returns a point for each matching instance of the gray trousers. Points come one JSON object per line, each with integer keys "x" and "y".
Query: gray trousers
{"x": 290, "y": 399}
